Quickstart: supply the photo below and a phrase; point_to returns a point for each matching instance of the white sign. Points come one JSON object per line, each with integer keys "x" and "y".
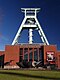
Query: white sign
{"x": 50, "y": 56}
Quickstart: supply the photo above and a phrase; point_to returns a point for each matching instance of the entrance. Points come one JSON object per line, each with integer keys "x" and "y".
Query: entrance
{"x": 2, "y": 61}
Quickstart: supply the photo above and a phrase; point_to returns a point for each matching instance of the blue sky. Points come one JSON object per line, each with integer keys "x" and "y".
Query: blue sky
{"x": 11, "y": 18}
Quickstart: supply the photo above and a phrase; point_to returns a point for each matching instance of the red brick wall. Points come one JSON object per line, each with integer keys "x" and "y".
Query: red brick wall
{"x": 11, "y": 53}
{"x": 49, "y": 48}
{"x": 2, "y": 53}
{"x": 58, "y": 59}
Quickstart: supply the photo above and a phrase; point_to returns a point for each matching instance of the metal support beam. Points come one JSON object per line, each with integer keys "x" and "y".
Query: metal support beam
{"x": 30, "y": 36}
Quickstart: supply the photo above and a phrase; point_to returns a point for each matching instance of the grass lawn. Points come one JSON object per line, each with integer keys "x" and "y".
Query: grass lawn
{"x": 29, "y": 75}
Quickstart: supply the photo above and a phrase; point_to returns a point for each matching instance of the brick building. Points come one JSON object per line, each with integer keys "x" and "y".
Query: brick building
{"x": 28, "y": 52}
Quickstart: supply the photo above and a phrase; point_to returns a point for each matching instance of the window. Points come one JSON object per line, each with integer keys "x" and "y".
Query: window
{"x": 26, "y": 54}
{"x": 30, "y": 54}
{"x": 21, "y": 51}
{"x": 35, "y": 54}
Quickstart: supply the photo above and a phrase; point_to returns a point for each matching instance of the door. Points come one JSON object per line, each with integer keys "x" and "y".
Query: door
{"x": 2, "y": 61}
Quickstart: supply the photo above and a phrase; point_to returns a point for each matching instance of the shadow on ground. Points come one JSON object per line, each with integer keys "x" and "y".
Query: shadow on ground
{"x": 31, "y": 76}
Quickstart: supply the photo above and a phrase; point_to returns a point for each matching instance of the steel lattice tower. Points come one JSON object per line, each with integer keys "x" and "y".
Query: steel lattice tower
{"x": 30, "y": 22}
